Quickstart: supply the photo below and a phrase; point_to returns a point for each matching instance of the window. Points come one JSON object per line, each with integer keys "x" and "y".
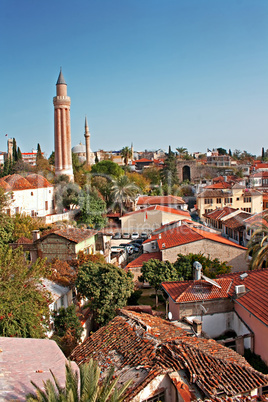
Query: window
{"x": 246, "y": 209}
{"x": 247, "y": 199}
{"x": 159, "y": 397}
{"x": 228, "y": 200}
{"x": 208, "y": 210}
{"x": 218, "y": 201}
{"x": 17, "y": 210}
{"x": 237, "y": 198}
{"x": 46, "y": 205}
{"x": 31, "y": 192}
{"x": 208, "y": 200}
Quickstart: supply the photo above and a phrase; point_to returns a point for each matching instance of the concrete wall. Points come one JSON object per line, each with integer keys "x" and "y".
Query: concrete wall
{"x": 180, "y": 310}
{"x": 138, "y": 222}
{"x": 259, "y": 329}
{"x": 236, "y": 257}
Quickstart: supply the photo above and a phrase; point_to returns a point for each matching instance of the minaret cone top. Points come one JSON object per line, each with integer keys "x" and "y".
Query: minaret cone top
{"x": 61, "y": 79}
{"x": 86, "y": 125}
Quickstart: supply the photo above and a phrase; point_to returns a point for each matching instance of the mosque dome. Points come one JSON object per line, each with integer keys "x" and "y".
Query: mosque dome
{"x": 79, "y": 149}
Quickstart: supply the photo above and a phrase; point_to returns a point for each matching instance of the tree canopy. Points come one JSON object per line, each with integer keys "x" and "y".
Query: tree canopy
{"x": 126, "y": 154}
{"x": 123, "y": 191}
{"x": 155, "y": 272}
{"x": 107, "y": 288}
{"x": 107, "y": 168}
{"x": 92, "y": 208}
{"x": 24, "y": 299}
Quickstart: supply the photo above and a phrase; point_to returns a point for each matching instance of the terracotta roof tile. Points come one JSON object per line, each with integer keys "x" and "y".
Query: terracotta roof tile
{"x": 75, "y": 235}
{"x": 160, "y": 208}
{"x": 255, "y": 300}
{"x": 17, "y": 182}
{"x": 153, "y": 346}
{"x": 219, "y": 213}
{"x": 160, "y": 200}
{"x": 237, "y": 221}
{"x": 138, "y": 262}
{"x": 190, "y": 291}
{"x": 184, "y": 234}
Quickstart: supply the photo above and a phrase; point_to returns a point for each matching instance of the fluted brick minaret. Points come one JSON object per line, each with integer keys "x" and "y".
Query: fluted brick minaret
{"x": 87, "y": 138}
{"x": 62, "y": 130}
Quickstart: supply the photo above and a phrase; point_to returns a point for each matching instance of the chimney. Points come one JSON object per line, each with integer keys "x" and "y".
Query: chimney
{"x": 197, "y": 326}
{"x": 198, "y": 268}
{"x": 36, "y": 235}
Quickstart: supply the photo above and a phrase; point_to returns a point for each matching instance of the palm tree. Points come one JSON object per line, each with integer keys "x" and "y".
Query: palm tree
{"x": 126, "y": 154}
{"x": 258, "y": 245}
{"x": 182, "y": 151}
{"x": 89, "y": 389}
{"x": 123, "y": 190}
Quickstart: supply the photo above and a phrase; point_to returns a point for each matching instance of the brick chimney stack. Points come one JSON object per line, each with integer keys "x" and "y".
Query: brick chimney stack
{"x": 62, "y": 130}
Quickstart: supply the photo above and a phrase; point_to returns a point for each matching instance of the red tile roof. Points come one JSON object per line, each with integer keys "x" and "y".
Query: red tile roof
{"x": 255, "y": 300}
{"x": 160, "y": 208}
{"x": 220, "y": 185}
{"x": 237, "y": 222}
{"x": 141, "y": 346}
{"x": 16, "y": 182}
{"x": 138, "y": 262}
{"x": 75, "y": 235}
{"x": 258, "y": 220}
{"x": 219, "y": 213}
{"x": 184, "y": 234}
{"x": 159, "y": 200}
{"x": 191, "y": 291}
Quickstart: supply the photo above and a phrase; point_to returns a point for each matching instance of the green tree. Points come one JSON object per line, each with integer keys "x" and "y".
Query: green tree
{"x": 211, "y": 268}
{"x": 104, "y": 186}
{"x": 92, "y": 208}
{"x": 182, "y": 151}
{"x": 39, "y": 154}
{"x": 153, "y": 174}
{"x": 258, "y": 245}
{"x": 51, "y": 159}
{"x": 92, "y": 387}
{"x": 19, "y": 154}
{"x": 24, "y": 300}
{"x": 14, "y": 151}
{"x": 222, "y": 151}
{"x": 108, "y": 169}
{"x": 107, "y": 288}
{"x": 123, "y": 192}
{"x": 126, "y": 154}
{"x": 169, "y": 173}
{"x": 67, "y": 329}
{"x": 140, "y": 181}
{"x": 155, "y": 272}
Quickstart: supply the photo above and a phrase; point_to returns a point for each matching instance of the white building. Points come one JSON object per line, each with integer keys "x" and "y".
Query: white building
{"x": 31, "y": 195}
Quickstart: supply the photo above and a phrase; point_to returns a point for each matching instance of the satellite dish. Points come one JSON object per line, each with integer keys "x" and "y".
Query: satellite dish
{"x": 170, "y": 315}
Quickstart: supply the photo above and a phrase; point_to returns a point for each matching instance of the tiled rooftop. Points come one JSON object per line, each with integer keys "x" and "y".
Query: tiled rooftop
{"x": 143, "y": 258}
{"x": 184, "y": 234}
{"x": 153, "y": 346}
{"x": 75, "y": 235}
{"x": 237, "y": 221}
{"x": 219, "y": 213}
{"x": 190, "y": 291}
{"x": 16, "y": 182}
{"x": 160, "y": 200}
{"x": 160, "y": 208}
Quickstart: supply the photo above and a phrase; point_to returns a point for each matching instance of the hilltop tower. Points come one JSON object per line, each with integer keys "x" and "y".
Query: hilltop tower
{"x": 62, "y": 130}
{"x": 87, "y": 138}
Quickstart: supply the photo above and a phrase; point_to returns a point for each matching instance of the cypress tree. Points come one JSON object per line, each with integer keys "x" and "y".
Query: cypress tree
{"x": 19, "y": 154}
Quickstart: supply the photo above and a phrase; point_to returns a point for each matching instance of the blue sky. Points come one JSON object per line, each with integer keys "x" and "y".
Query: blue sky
{"x": 190, "y": 73}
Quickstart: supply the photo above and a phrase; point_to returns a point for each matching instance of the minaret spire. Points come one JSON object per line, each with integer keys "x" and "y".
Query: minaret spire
{"x": 62, "y": 130}
{"x": 87, "y": 138}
